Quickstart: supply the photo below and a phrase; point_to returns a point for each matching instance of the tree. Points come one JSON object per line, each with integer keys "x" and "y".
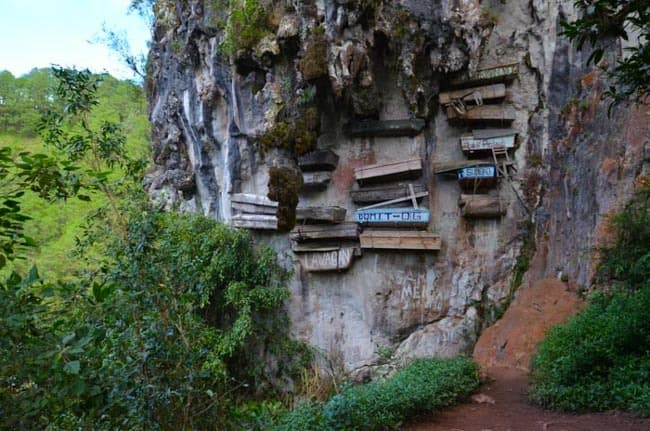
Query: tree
{"x": 601, "y": 19}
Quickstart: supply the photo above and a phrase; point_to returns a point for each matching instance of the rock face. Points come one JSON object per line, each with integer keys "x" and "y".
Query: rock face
{"x": 232, "y": 98}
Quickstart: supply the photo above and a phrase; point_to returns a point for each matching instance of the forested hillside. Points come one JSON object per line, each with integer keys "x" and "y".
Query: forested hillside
{"x": 56, "y": 225}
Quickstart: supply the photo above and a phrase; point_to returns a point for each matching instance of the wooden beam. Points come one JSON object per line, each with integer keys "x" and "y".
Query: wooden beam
{"x": 402, "y": 217}
{"x": 388, "y": 128}
{"x": 369, "y": 195}
{"x": 343, "y": 231}
{"x": 483, "y": 113}
{"x": 452, "y": 167}
{"x": 500, "y": 73}
{"x": 399, "y": 240}
{"x": 482, "y": 206}
{"x": 255, "y": 221}
{"x": 246, "y": 198}
{"x": 320, "y": 214}
{"x": 316, "y": 180}
{"x": 320, "y": 160}
{"x": 254, "y": 209}
{"x": 386, "y": 171}
{"x": 338, "y": 259}
{"x": 394, "y": 201}
{"x": 487, "y": 92}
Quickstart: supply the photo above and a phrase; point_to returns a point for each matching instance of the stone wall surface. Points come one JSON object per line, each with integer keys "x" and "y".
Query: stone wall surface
{"x": 210, "y": 109}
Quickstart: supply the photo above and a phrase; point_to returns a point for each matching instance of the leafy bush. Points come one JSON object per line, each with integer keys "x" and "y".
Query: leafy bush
{"x": 600, "y": 359}
{"x": 425, "y": 385}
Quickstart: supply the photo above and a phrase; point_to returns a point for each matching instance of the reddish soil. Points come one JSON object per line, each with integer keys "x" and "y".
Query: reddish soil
{"x": 507, "y": 387}
{"x": 503, "y": 351}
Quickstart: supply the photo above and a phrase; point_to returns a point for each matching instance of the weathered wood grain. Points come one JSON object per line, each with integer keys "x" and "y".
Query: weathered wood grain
{"x": 316, "y": 180}
{"x": 388, "y": 128}
{"x": 402, "y": 217}
{"x": 370, "y": 195}
{"x": 347, "y": 231}
{"x": 399, "y": 240}
{"x": 500, "y": 73}
{"x": 338, "y": 259}
{"x": 320, "y": 160}
{"x": 255, "y": 221}
{"x": 487, "y": 92}
{"x": 320, "y": 214}
{"x": 483, "y": 113}
{"x": 482, "y": 206}
{"x": 388, "y": 171}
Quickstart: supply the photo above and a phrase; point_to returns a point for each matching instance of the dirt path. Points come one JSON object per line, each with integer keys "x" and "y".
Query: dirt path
{"x": 510, "y": 411}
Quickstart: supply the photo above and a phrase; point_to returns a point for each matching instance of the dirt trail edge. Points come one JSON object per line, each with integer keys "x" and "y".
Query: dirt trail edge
{"x": 503, "y": 351}
{"x": 502, "y": 405}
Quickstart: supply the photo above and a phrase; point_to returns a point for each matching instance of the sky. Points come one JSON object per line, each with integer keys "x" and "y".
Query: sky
{"x": 42, "y": 33}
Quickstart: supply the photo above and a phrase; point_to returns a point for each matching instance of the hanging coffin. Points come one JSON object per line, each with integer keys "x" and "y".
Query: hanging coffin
{"x": 477, "y": 177}
{"x": 253, "y": 204}
{"x": 500, "y": 73}
{"x": 485, "y": 140}
{"x": 398, "y": 217}
{"x": 482, "y": 206}
{"x": 399, "y": 240}
{"x": 411, "y": 168}
{"x": 319, "y": 232}
{"x": 255, "y": 221}
{"x": 327, "y": 259}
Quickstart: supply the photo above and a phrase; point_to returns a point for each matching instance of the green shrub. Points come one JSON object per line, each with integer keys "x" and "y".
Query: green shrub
{"x": 425, "y": 385}
{"x": 600, "y": 359}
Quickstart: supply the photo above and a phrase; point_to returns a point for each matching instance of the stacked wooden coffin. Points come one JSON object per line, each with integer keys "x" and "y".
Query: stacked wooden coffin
{"x": 478, "y": 100}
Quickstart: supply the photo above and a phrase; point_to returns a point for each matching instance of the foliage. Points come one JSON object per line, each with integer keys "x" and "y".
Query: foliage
{"x": 627, "y": 261}
{"x": 600, "y": 359}
{"x": 176, "y": 323}
{"x": 313, "y": 61}
{"x": 245, "y": 26}
{"x": 425, "y": 385}
{"x": 284, "y": 186}
{"x": 602, "y": 19}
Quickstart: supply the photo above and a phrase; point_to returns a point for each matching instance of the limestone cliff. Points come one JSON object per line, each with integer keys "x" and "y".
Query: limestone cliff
{"x": 234, "y": 97}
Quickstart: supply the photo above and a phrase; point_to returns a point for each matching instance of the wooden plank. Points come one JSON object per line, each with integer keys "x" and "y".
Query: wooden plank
{"x": 320, "y": 214}
{"x": 255, "y": 221}
{"x": 246, "y": 198}
{"x": 399, "y": 240}
{"x": 452, "y": 167}
{"x": 388, "y": 128}
{"x": 492, "y": 133}
{"x": 470, "y": 144}
{"x": 320, "y": 160}
{"x": 316, "y": 180}
{"x": 477, "y": 177}
{"x": 369, "y": 195}
{"x": 482, "y": 206}
{"x": 254, "y": 209}
{"x": 301, "y": 233}
{"x": 388, "y": 171}
{"x": 394, "y": 201}
{"x": 403, "y": 217}
{"x": 489, "y": 75}
{"x": 483, "y": 113}
{"x": 338, "y": 259}
{"x": 487, "y": 92}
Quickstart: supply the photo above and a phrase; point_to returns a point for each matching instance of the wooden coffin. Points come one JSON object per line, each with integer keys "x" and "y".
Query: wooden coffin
{"x": 402, "y": 217}
{"x": 482, "y": 206}
{"x": 319, "y": 232}
{"x": 409, "y": 127}
{"x": 320, "y": 214}
{"x": 411, "y": 168}
{"x": 471, "y": 95}
{"x": 321, "y": 160}
{"x": 501, "y": 73}
{"x": 485, "y": 140}
{"x": 316, "y": 180}
{"x": 255, "y": 221}
{"x": 253, "y": 204}
{"x": 453, "y": 167}
{"x": 370, "y": 195}
{"x": 399, "y": 240}
{"x": 327, "y": 259}
{"x": 482, "y": 113}
{"x": 477, "y": 177}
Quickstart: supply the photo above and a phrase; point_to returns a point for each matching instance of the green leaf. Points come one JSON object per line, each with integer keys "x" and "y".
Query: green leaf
{"x": 72, "y": 367}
